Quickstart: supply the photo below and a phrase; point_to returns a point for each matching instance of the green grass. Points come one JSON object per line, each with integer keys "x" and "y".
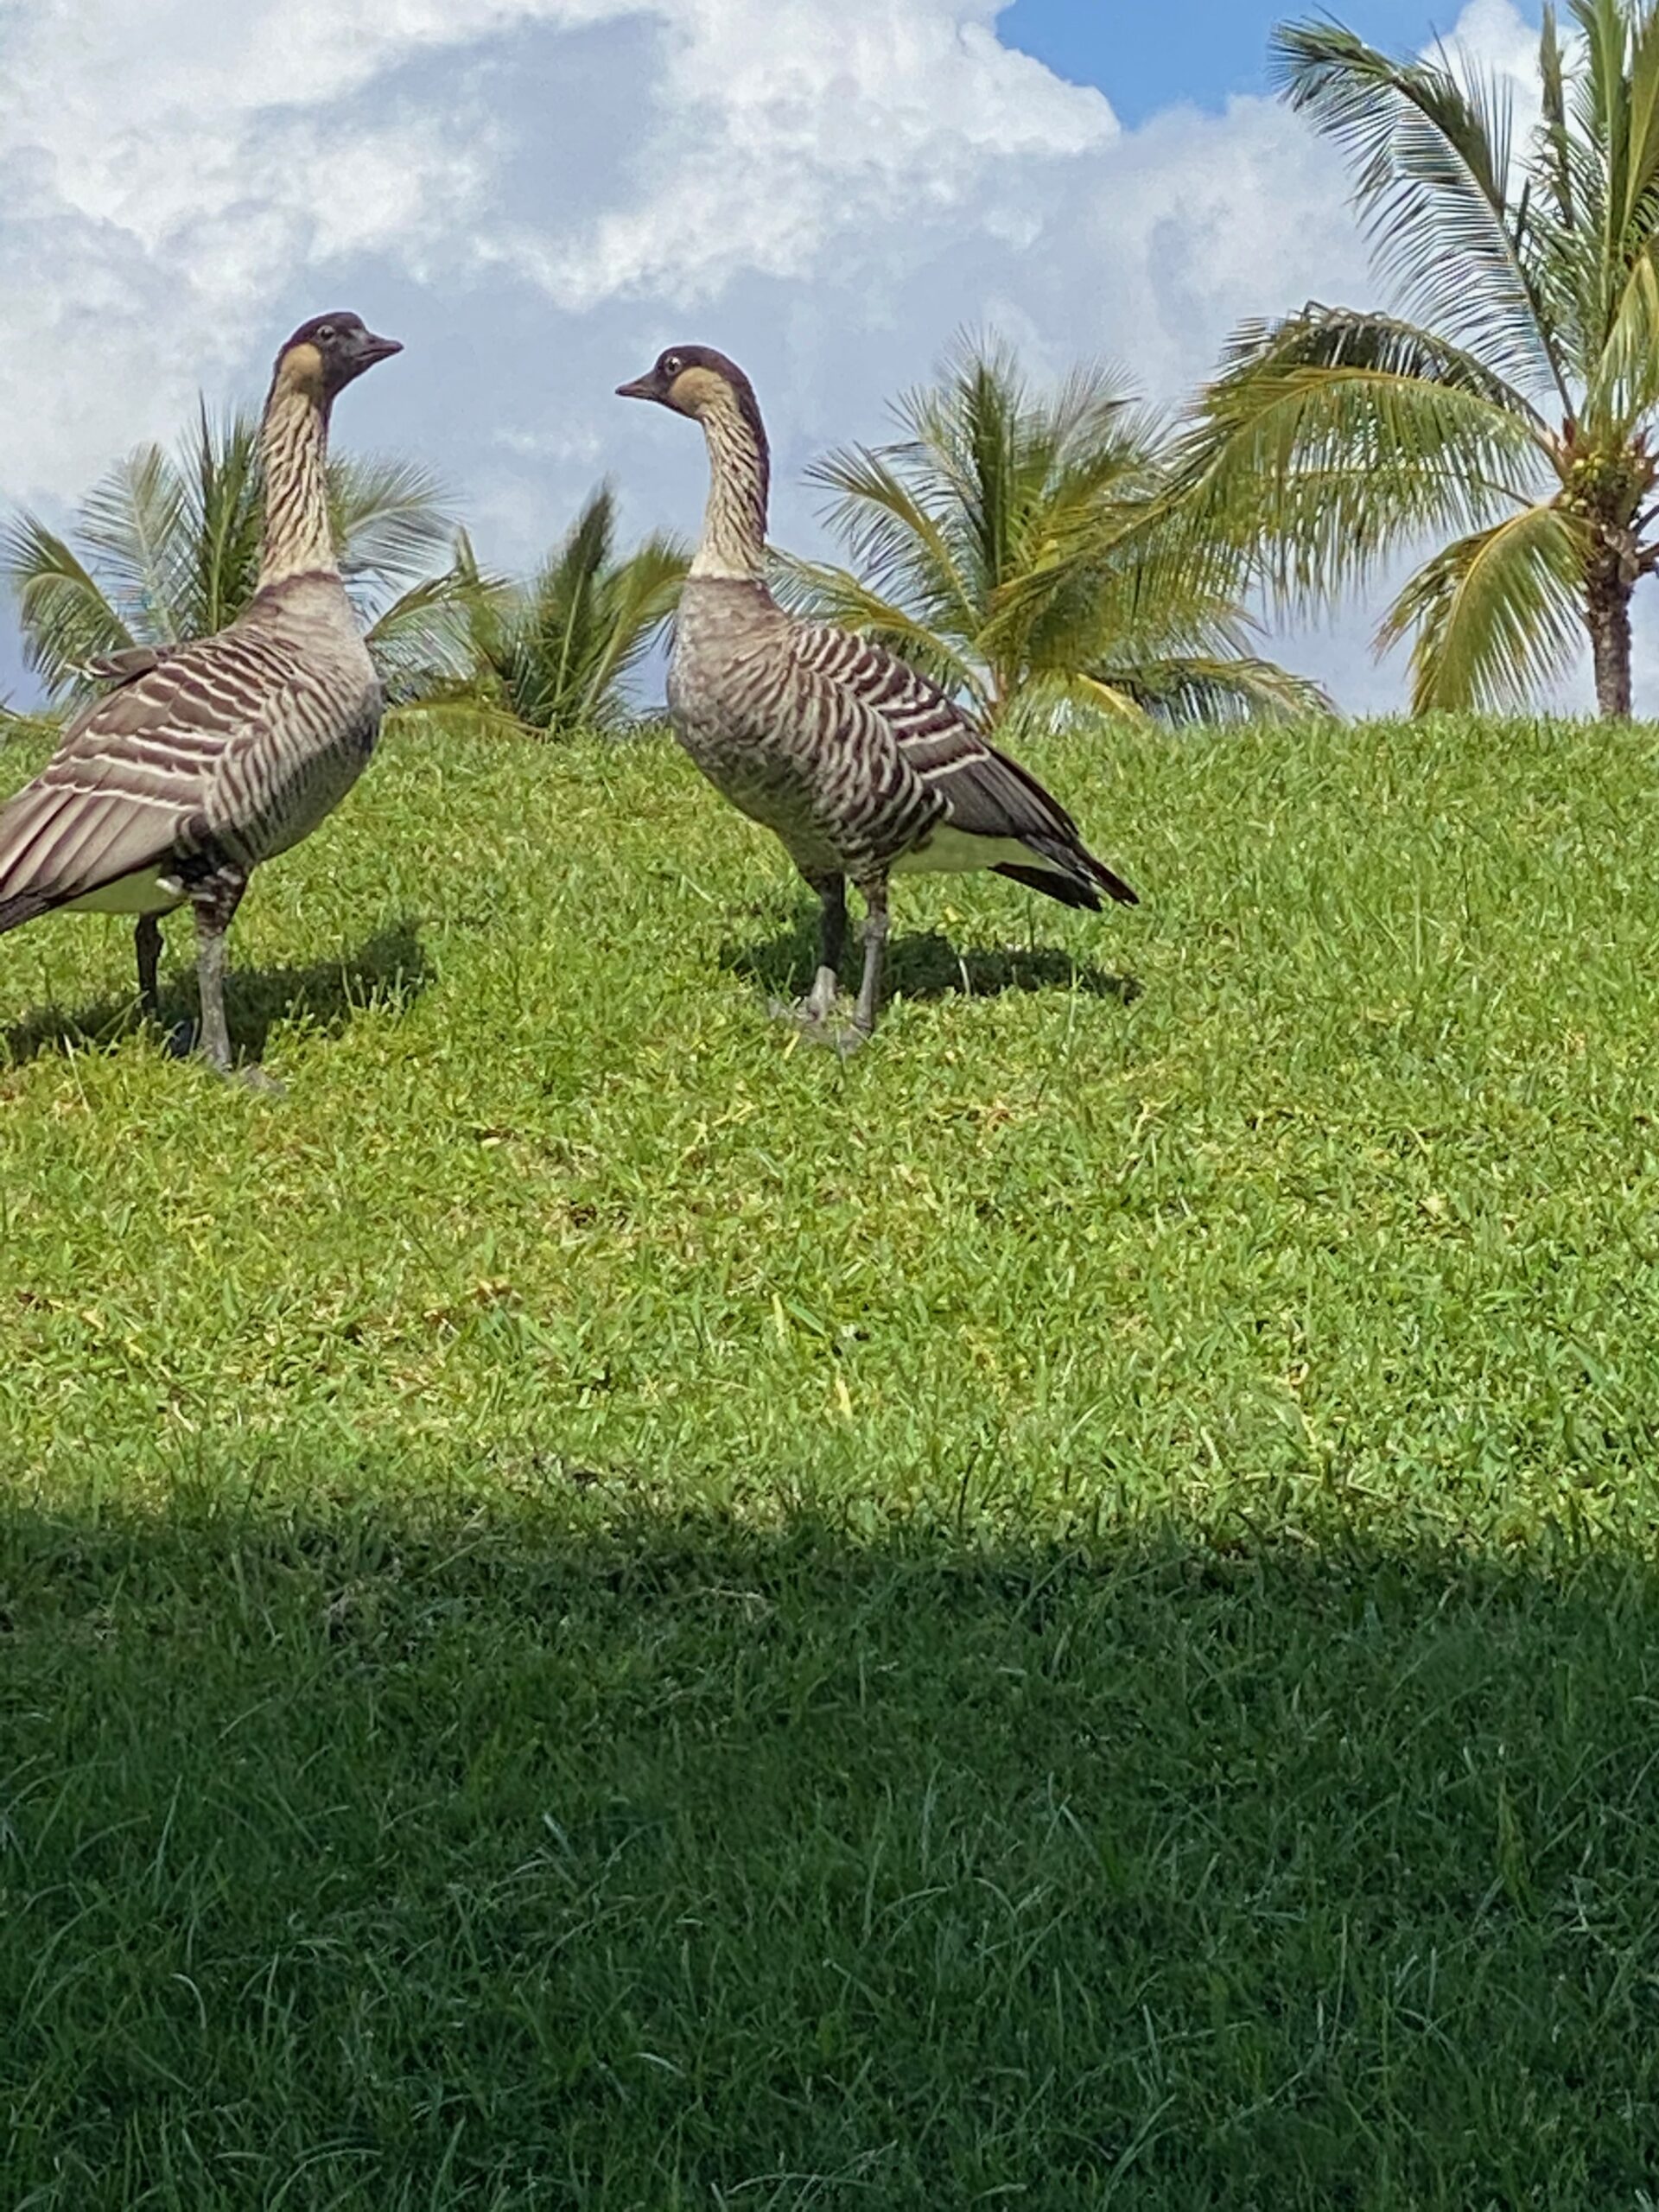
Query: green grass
{"x": 600, "y": 1609}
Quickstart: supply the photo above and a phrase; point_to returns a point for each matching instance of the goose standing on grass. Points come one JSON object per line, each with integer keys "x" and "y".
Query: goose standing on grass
{"x": 863, "y": 767}
{"x": 211, "y": 757}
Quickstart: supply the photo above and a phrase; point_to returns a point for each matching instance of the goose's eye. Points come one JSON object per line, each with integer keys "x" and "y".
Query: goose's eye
{"x": 672, "y": 365}
{"x": 326, "y": 333}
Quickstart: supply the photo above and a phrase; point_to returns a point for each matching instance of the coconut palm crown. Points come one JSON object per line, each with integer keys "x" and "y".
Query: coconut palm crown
{"x": 1020, "y": 549}
{"x": 1503, "y": 415}
{"x": 555, "y": 654}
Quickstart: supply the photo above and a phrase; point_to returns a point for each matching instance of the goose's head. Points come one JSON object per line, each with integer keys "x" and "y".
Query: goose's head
{"x": 325, "y": 354}
{"x": 694, "y": 380}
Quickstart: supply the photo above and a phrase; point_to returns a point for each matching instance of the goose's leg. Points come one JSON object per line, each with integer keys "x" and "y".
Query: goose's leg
{"x": 812, "y": 1013}
{"x": 875, "y": 939}
{"x": 832, "y": 947}
{"x": 147, "y": 939}
{"x": 215, "y": 898}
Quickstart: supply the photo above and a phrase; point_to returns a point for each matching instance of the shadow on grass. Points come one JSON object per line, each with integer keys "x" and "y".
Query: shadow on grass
{"x": 499, "y": 1853}
{"x": 924, "y": 964}
{"x": 388, "y": 969}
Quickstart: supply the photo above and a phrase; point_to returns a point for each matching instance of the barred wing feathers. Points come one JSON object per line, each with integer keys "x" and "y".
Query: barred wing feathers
{"x": 139, "y": 779}
{"x": 986, "y": 796}
{"x": 128, "y": 663}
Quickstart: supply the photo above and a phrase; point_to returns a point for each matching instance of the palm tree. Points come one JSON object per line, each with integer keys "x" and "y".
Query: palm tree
{"x": 1506, "y": 413}
{"x": 554, "y": 655}
{"x": 166, "y": 546}
{"x": 1023, "y": 552}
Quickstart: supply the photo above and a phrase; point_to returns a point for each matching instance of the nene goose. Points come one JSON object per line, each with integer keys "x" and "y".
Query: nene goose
{"x": 859, "y": 765}
{"x": 208, "y": 758}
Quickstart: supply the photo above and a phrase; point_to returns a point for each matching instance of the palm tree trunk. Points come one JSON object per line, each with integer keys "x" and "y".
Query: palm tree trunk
{"x": 1607, "y": 618}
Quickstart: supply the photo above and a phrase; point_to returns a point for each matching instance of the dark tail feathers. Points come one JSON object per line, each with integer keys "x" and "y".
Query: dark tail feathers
{"x": 1071, "y": 874}
{"x": 1065, "y": 888}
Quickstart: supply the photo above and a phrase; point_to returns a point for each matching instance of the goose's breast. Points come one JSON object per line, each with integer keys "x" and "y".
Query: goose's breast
{"x": 316, "y": 744}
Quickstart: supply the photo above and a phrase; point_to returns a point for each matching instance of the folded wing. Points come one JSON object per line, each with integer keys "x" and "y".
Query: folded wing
{"x": 124, "y": 791}
{"x": 990, "y": 801}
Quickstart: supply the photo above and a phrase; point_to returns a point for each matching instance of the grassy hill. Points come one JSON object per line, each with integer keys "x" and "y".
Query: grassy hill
{"x": 598, "y": 1608}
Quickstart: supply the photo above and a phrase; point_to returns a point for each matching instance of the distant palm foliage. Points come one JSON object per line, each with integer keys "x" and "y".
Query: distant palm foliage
{"x": 1023, "y": 549}
{"x": 1509, "y": 410}
{"x": 554, "y": 655}
{"x": 166, "y": 548}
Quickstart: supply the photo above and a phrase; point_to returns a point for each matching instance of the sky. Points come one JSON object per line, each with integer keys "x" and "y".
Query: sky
{"x": 536, "y": 195}
{"x": 1145, "y": 56}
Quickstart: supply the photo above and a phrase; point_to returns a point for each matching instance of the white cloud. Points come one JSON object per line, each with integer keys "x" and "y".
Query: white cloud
{"x": 785, "y": 126}
{"x": 538, "y": 193}
{"x": 1497, "y": 35}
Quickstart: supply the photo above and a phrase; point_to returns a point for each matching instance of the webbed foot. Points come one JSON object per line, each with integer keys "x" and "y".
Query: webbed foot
{"x": 255, "y": 1079}
{"x": 817, "y": 1024}
{"x": 183, "y": 1042}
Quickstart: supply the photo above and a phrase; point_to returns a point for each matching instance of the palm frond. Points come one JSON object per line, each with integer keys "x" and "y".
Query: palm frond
{"x": 821, "y": 592}
{"x": 66, "y": 618}
{"x": 891, "y": 532}
{"x": 422, "y": 644}
{"x": 465, "y": 714}
{"x": 1495, "y": 615}
{"x": 216, "y": 556}
{"x": 1431, "y": 155}
{"x": 639, "y": 595}
{"x": 1622, "y": 388}
{"x": 1181, "y": 691}
{"x": 1603, "y": 261}
{"x": 1154, "y": 575}
{"x": 1014, "y": 543}
{"x": 1556, "y": 162}
{"x": 1239, "y": 687}
{"x": 555, "y": 655}
{"x": 1637, "y": 207}
{"x": 1330, "y": 438}
{"x": 987, "y": 400}
{"x": 391, "y": 520}
{"x": 1056, "y": 700}
{"x": 129, "y": 523}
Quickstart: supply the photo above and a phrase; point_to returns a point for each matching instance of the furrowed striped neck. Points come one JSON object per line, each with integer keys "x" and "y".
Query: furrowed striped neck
{"x": 294, "y": 443}
{"x": 734, "y": 522}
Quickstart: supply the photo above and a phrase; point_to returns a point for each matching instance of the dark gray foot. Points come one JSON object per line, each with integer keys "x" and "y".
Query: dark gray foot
{"x": 815, "y": 1011}
{"x": 819, "y": 1025}
{"x": 181, "y": 1043}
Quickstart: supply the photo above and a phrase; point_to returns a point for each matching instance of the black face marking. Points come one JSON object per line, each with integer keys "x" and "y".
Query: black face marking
{"x": 665, "y": 372}
{"x": 325, "y": 330}
{"x": 680, "y": 358}
{"x": 344, "y": 345}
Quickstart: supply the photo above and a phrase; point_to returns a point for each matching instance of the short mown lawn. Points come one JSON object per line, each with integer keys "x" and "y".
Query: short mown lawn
{"x": 602, "y": 1609}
